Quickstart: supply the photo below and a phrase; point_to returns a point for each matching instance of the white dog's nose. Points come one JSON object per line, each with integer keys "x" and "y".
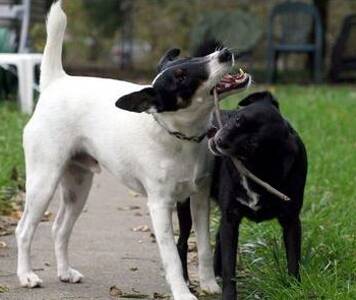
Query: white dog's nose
{"x": 225, "y": 56}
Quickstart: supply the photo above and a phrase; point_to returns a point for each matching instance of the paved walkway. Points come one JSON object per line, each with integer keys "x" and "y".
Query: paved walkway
{"x": 103, "y": 247}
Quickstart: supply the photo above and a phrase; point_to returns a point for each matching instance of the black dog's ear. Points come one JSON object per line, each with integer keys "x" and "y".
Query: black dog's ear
{"x": 170, "y": 55}
{"x": 140, "y": 101}
{"x": 260, "y": 96}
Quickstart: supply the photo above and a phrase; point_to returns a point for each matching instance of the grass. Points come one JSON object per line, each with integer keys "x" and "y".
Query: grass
{"x": 11, "y": 155}
{"x": 326, "y": 120}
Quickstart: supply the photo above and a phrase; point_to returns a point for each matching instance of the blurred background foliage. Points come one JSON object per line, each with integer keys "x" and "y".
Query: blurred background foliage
{"x": 99, "y": 31}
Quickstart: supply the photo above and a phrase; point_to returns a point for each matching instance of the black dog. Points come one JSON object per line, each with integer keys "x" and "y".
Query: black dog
{"x": 270, "y": 148}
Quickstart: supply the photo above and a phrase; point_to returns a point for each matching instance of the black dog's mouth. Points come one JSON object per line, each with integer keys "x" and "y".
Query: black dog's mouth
{"x": 233, "y": 82}
{"x": 213, "y": 148}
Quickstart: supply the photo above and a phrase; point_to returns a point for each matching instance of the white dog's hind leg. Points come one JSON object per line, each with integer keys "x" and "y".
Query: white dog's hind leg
{"x": 200, "y": 207}
{"x": 161, "y": 215}
{"x": 41, "y": 183}
{"x": 75, "y": 187}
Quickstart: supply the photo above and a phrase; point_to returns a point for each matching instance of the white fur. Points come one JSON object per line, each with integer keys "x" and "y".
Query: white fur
{"x": 253, "y": 197}
{"x": 78, "y": 115}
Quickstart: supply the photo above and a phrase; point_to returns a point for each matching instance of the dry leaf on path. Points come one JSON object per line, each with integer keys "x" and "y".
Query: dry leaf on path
{"x": 160, "y": 296}
{"x": 141, "y": 228}
{"x": 115, "y": 291}
{"x": 133, "y": 194}
{"x": 3, "y": 289}
{"x": 3, "y": 244}
{"x": 131, "y": 207}
{"x": 134, "y": 207}
{"x": 4, "y": 232}
{"x": 153, "y": 237}
{"x": 133, "y": 269}
{"x": 47, "y": 216}
{"x": 134, "y": 296}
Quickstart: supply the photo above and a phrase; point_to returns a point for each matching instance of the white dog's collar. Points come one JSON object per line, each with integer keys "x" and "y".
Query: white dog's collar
{"x": 180, "y": 135}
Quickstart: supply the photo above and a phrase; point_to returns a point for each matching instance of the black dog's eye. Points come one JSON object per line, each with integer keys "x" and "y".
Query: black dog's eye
{"x": 180, "y": 75}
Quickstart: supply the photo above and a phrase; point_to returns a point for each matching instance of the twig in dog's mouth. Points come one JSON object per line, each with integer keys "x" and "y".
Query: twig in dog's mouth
{"x": 239, "y": 165}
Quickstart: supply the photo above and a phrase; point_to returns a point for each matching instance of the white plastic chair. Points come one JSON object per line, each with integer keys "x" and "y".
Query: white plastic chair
{"x": 24, "y": 61}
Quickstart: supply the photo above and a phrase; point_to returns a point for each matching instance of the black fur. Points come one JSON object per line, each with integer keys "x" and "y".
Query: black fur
{"x": 174, "y": 89}
{"x": 271, "y": 149}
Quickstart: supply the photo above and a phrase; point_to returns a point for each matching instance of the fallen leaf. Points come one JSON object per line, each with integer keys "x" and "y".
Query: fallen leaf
{"x": 115, "y": 291}
{"x": 134, "y": 295}
{"x": 3, "y": 289}
{"x": 138, "y": 214}
{"x": 141, "y": 228}
{"x": 131, "y": 207}
{"x": 17, "y": 214}
{"x": 192, "y": 247}
{"x": 47, "y": 264}
{"x": 38, "y": 269}
{"x": 160, "y": 296}
{"x": 133, "y": 269}
{"x": 3, "y": 244}
{"x": 153, "y": 237}
{"x": 47, "y": 216}
{"x": 134, "y": 207}
{"x": 4, "y": 232}
{"x": 133, "y": 194}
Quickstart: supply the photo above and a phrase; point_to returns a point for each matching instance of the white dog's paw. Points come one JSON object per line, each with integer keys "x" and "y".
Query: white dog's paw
{"x": 210, "y": 287}
{"x": 187, "y": 296}
{"x": 70, "y": 275}
{"x": 29, "y": 280}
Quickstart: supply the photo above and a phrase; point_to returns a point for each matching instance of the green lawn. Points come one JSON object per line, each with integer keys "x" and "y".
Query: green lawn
{"x": 11, "y": 155}
{"x": 326, "y": 120}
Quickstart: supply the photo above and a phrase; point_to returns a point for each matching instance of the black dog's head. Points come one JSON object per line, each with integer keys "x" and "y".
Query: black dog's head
{"x": 184, "y": 83}
{"x": 255, "y": 127}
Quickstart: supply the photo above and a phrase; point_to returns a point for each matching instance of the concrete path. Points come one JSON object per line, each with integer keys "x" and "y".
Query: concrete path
{"x": 103, "y": 247}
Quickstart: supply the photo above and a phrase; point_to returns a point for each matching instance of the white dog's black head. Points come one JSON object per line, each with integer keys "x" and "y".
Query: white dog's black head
{"x": 185, "y": 83}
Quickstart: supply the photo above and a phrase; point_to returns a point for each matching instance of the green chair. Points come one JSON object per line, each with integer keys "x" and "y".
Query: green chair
{"x": 289, "y": 31}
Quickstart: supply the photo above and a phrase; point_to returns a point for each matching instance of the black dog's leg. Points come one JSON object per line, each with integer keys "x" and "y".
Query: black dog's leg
{"x": 292, "y": 233}
{"x": 228, "y": 246}
{"x": 185, "y": 226}
{"x": 217, "y": 256}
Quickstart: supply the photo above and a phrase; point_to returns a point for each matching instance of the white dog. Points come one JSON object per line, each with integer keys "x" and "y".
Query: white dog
{"x": 76, "y": 129}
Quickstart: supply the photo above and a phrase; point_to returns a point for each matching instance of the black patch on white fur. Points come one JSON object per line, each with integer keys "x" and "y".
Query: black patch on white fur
{"x": 175, "y": 87}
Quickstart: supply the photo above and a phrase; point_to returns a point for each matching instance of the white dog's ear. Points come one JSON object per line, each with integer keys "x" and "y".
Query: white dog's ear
{"x": 141, "y": 101}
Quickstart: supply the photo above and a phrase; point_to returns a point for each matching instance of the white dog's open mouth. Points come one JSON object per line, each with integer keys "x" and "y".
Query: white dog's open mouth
{"x": 233, "y": 82}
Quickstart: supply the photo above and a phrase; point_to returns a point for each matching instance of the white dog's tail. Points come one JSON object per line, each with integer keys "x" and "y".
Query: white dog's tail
{"x": 51, "y": 67}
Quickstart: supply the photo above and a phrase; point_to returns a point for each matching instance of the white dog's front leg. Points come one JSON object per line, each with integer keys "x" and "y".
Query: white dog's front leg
{"x": 200, "y": 208}
{"x": 161, "y": 214}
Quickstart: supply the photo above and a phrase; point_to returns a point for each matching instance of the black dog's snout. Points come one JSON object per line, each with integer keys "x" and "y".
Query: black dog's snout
{"x": 225, "y": 56}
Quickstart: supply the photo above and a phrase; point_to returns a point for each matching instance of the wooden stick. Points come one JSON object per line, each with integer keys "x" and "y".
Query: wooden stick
{"x": 239, "y": 165}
